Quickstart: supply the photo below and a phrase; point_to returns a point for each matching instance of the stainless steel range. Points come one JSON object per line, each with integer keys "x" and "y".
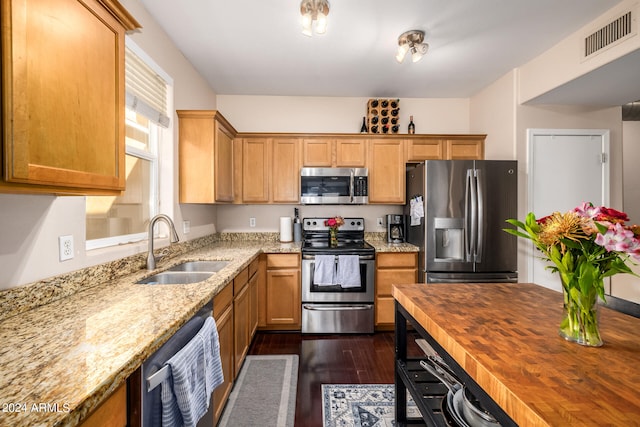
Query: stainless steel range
{"x": 337, "y": 282}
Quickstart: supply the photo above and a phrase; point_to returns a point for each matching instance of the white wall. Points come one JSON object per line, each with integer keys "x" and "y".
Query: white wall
{"x": 564, "y": 62}
{"x": 30, "y": 225}
{"x": 337, "y": 114}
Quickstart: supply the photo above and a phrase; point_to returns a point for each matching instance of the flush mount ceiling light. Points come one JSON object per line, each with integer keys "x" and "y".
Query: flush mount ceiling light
{"x": 314, "y": 10}
{"x": 411, "y": 41}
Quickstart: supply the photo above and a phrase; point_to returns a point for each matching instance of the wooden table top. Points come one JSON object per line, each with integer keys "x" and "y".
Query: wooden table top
{"x": 506, "y": 337}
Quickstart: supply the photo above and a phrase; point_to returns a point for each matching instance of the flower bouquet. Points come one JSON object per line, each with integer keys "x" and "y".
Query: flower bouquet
{"x": 584, "y": 245}
{"x": 334, "y": 224}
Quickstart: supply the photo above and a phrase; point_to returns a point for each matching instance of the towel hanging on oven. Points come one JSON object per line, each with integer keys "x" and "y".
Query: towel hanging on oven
{"x": 324, "y": 273}
{"x": 348, "y": 275}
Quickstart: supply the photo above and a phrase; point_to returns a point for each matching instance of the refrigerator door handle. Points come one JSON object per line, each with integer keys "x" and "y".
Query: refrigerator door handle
{"x": 469, "y": 217}
{"x": 480, "y": 215}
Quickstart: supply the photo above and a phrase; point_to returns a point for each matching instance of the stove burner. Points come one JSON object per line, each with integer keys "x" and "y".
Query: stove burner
{"x": 350, "y": 238}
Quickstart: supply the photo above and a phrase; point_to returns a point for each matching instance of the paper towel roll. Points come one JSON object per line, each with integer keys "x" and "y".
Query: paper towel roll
{"x": 286, "y": 233}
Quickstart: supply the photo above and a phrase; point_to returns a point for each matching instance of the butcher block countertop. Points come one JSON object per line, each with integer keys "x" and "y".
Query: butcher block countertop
{"x": 505, "y": 336}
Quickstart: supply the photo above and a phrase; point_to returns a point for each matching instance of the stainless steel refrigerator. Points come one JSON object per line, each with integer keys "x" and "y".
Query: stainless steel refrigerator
{"x": 465, "y": 205}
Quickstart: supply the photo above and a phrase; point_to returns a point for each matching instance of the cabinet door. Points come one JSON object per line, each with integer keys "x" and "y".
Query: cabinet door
{"x": 255, "y": 170}
{"x": 253, "y": 305}
{"x": 224, "y": 323}
{"x": 386, "y": 171}
{"x": 111, "y": 413}
{"x": 392, "y": 268}
{"x": 465, "y": 149}
{"x": 317, "y": 152}
{"x": 283, "y": 298}
{"x": 285, "y": 170}
{"x": 223, "y": 157}
{"x": 206, "y": 157}
{"x": 63, "y": 95}
{"x": 241, "y": 309}
{"x": 351, "y": 153}
{"x": 425, "y": 149}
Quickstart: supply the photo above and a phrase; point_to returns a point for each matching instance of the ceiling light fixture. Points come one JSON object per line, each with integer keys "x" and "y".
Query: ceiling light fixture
{"x": 411, "y": 41}
{"x": 314, "y": 10}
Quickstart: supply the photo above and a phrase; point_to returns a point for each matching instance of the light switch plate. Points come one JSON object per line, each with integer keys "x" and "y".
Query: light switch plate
{"x": 65, "y": 247}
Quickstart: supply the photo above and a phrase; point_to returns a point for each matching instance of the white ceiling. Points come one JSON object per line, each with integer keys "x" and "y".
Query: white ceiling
{"x": 255, "y": 47}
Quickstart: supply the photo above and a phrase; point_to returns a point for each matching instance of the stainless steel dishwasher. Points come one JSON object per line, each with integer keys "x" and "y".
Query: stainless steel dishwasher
{"x": 152, "y": 372}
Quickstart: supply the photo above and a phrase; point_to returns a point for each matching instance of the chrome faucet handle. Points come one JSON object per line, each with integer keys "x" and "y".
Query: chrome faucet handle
{"x": 151, "y": 259}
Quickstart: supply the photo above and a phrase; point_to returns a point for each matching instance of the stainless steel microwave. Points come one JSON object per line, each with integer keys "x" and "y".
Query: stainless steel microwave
{"x": 334, "y": 186}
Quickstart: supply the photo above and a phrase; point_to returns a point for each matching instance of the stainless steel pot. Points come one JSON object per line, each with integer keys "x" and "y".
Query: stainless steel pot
{"x": 462, "y": 405}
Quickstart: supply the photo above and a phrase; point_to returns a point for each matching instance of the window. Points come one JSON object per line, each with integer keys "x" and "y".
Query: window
{"x": 113, "y": 220}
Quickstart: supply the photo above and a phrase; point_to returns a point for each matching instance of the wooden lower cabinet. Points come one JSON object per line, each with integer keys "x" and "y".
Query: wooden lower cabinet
{"x": 223, "y": 315}
{"x": 111, "y": 413}
{"x": 235, "y": 310}
{"x": 280, "y": 307}
{"x": 241, "y": 308}
{"x": 392, "y": 268}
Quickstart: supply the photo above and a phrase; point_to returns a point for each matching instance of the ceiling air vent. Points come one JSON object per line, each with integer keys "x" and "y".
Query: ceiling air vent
{"x": 608, "y": 35}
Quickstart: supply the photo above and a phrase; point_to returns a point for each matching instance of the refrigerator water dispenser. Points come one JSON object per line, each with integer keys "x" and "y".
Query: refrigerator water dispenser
{"x": 449, "y": 234}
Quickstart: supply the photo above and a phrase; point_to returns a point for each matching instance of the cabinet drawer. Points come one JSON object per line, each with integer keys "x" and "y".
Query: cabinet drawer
{"x": 283, "y": 261}
{"x": 386, "y": 278}
{"x": 222, "y": 300}
{"x": 395, "y": 260}
{"x": 253, "y": 267}
{"x": 240, "y": 281}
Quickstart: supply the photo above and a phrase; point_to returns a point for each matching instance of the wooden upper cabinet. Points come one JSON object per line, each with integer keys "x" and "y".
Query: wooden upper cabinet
{"x": 317, "y": 152}
{"x": 255, "y": 170}
{"x": 465, "y": 148}
{"x": 206, "y": 157}
{"x": 285, "y": 177}
{"x": 351, "y": 153}
{"x": 445, "y": 147}
{"x": 339, "y": 152}
{"x": 386, "y": 171}
{"x": 270, "y": 170}
{"x": 419, "y": 149}
{"x": 63, "y": 96}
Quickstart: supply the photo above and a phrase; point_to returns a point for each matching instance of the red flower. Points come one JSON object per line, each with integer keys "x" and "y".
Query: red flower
{"x": 611, "y": 215}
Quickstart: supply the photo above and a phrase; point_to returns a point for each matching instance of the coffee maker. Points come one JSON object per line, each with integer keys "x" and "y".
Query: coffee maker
{"x": 396, "y": 228}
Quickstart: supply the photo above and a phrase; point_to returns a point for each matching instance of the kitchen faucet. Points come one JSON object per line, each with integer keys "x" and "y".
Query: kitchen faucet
{"x": 151, "y": 259}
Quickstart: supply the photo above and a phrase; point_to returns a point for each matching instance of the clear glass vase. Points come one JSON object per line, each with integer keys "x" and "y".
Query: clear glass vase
{"x": 580, "y": 321}
{"x": 333, "y": 237}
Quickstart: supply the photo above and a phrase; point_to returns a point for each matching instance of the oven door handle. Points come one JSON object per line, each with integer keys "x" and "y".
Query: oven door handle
{"x": 313, "y": 307}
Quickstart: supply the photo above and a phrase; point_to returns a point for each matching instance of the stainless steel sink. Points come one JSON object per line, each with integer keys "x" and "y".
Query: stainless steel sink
{"x": 208, "y": 266}
{"x": 176, "y": 277}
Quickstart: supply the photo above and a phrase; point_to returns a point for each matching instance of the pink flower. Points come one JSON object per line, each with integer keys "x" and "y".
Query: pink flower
{"x": 617, "y": 238}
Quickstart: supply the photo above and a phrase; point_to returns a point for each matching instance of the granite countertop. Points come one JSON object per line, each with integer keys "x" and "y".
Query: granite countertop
{"x": 58, "y": 361}
{"x": 383, "y": 246}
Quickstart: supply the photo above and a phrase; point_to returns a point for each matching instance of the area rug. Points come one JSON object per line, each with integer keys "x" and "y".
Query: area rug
{"x": 264, "y": 393}
{"x": 362, "y": 405}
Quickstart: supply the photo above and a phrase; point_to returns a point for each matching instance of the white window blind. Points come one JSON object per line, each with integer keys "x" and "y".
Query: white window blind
{"x": 146, "y": 91}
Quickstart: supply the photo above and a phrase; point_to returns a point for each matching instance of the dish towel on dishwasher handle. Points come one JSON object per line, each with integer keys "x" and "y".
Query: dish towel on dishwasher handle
{"x": 195, "y": 371}
{"x": 348, "y": 271}
{"x": 324, "y": 273}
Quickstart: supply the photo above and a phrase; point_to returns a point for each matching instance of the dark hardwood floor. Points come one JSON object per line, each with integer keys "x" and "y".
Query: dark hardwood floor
{"x": 330, "y": 359}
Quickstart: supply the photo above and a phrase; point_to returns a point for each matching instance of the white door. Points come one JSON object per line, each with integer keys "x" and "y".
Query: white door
{"x": 567, "y": 167}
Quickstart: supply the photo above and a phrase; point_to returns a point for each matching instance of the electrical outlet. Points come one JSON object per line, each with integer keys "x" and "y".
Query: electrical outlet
{"x": 186, "y": 227}
{"x": 380, "y": 222}
{"x": 252, "y": 222}
{"x": 65, "y": 247}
